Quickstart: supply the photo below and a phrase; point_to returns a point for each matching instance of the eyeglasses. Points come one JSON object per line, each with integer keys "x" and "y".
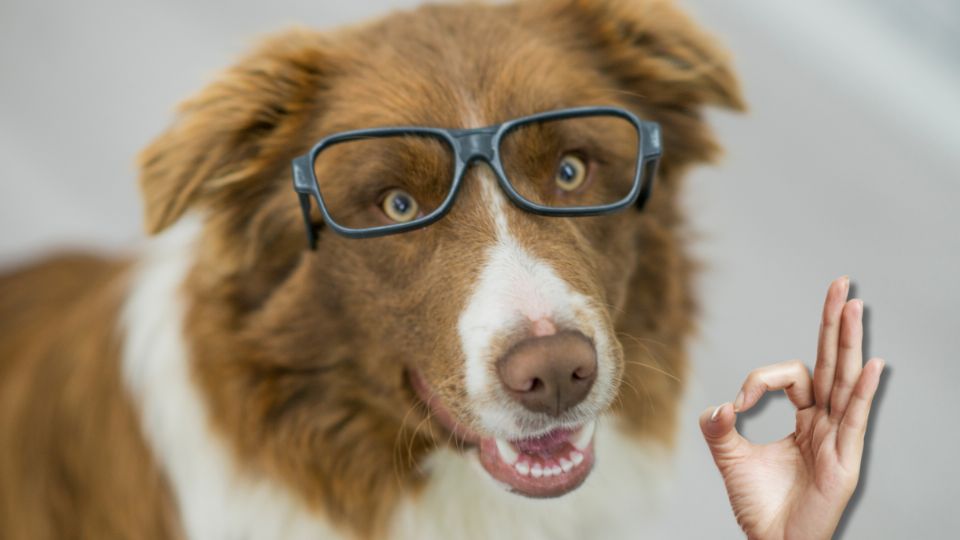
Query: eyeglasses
{"x": 583, "y": 161}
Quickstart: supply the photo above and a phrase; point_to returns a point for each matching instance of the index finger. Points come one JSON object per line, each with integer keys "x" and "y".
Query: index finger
{"x": 792, "y": 377}
{"x": 829, "y": 342}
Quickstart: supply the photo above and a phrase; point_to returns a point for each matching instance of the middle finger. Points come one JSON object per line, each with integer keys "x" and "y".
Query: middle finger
{"x": 826, "y": 366}
{"x": 849, "y": 357}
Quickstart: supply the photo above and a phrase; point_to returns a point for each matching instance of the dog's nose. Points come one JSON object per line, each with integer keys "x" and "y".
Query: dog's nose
{"x": 549, "y": 374}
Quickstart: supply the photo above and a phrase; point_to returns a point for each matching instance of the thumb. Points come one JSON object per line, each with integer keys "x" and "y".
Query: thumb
{"x": 720, "y": 431}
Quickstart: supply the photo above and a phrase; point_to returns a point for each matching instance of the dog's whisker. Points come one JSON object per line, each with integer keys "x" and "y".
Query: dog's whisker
{"x": 650, "y": 354}
{"x": 654, "y": 368}
{"x": 642, "y": 340}
{"x": 623, "y": 381}
{"x": 399, "y": 439}
{"x": 411, "y": 461}
{"x": 653, "y": 407}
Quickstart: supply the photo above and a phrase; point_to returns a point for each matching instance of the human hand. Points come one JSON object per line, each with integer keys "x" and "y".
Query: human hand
{"x": 799, "y": 486}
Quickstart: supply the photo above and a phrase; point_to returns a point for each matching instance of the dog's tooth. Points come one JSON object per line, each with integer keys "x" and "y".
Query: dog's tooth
{"x": 507, "y": 453}
{"x": 566, "y": 464}
{"x": 584, "y": 437}
{"x": 576, "y": 458}
{"x": 556, "y": 470}
{"x": 523, "y": 468}
{"x": 536, "y": 471}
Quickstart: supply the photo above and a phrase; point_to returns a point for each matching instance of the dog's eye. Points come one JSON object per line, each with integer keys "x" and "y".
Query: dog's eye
{"x": 571, "y": 172}
{"x": 400, "y": 206}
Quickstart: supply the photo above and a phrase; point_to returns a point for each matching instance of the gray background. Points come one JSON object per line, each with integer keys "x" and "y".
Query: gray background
{"x": 846, "y": 163}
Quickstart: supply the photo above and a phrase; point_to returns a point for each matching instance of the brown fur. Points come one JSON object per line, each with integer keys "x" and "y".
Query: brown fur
{"x": 302, "y": 356}
{"x": 73, "y": 464}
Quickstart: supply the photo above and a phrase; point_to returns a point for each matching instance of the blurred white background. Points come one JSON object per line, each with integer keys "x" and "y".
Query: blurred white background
{"x": 847, "y": 163}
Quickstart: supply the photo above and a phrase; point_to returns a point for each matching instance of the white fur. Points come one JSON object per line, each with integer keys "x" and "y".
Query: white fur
{"x": 620, "y": 499}
{"x": 515, "y": 288}
{"x": 216, "y": 500}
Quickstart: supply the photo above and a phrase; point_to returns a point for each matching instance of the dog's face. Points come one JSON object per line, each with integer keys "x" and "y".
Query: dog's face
{"x": 502, "y": 323}
{"x": 502, "y": 320}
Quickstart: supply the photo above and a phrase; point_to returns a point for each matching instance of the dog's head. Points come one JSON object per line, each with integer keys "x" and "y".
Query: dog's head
{"x": 503, "y": 324}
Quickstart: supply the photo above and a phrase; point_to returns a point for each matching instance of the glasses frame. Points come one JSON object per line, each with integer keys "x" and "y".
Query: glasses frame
{"x": 470, "y": 146}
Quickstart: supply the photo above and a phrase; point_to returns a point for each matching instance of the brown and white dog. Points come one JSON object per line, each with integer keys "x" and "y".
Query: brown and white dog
{"x": 230, "y": 383}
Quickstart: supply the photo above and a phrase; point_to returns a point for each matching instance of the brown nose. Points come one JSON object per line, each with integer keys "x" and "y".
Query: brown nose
{"x": 549, "y": 374}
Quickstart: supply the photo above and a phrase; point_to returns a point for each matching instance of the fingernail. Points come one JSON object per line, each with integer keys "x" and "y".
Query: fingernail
{"x": 716, "y": 412}
{"x": 846, "y": 285}
{"x": 737, "y": 403}
{"x": 860, "y": 305}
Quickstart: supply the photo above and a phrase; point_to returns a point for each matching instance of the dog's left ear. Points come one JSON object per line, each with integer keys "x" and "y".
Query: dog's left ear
{"x": 654, "y": 53}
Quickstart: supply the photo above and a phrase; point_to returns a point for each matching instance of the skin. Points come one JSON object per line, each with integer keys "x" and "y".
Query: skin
{"x": 799, "y": 486}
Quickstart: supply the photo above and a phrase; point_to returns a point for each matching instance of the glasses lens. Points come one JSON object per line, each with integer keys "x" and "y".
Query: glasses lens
{"x": 572, "y": 162}
{"x": 384, "y": 180}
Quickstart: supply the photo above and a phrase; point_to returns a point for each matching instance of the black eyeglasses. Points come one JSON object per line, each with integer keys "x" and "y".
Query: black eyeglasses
{"x": 582, "y": 161}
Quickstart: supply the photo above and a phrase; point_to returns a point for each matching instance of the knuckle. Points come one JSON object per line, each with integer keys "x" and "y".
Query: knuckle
{"x": 843, "y": 383}
{"x": 848, "y": 344}
{"x": 854, "y": 424}
{"x": 796, "y": 365}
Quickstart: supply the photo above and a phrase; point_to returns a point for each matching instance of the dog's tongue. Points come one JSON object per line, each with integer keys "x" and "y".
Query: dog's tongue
{"x": 546, "y": 445}
{"x": 546, "y": 466}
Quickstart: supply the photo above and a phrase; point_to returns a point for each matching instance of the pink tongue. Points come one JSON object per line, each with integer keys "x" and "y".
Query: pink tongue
{"x": 545, "y": 445}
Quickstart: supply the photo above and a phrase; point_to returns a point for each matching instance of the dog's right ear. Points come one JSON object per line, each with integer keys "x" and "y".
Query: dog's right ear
{"x": 236, "y": 136}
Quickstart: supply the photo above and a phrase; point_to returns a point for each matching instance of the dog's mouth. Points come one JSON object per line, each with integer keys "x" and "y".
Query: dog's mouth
{"x": 550, "y": 465}
{"x": 546, "y": 465}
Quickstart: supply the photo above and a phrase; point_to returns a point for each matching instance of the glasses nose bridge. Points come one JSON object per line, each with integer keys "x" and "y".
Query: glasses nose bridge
{"x": 475, "y": 144}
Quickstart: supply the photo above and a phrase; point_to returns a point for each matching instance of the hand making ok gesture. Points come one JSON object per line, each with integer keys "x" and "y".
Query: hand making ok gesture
{"x": 798, "y": 487}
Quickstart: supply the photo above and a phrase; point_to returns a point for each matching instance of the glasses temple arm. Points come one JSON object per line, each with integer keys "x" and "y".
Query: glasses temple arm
{"x": 302, "y": 184}
{"x": 651, "y": 149}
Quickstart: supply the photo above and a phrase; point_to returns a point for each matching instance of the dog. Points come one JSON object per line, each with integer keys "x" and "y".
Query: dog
{"x": 230, "y": 382}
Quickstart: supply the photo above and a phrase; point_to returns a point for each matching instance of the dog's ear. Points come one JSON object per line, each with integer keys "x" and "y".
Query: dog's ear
{"x": 655, "y": 54}
{"x": 655, "y": 48}
{"x": 225, "y": 143}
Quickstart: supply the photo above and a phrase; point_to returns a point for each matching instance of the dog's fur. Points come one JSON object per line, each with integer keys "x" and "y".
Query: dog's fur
{"x": 230, "y": 383}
